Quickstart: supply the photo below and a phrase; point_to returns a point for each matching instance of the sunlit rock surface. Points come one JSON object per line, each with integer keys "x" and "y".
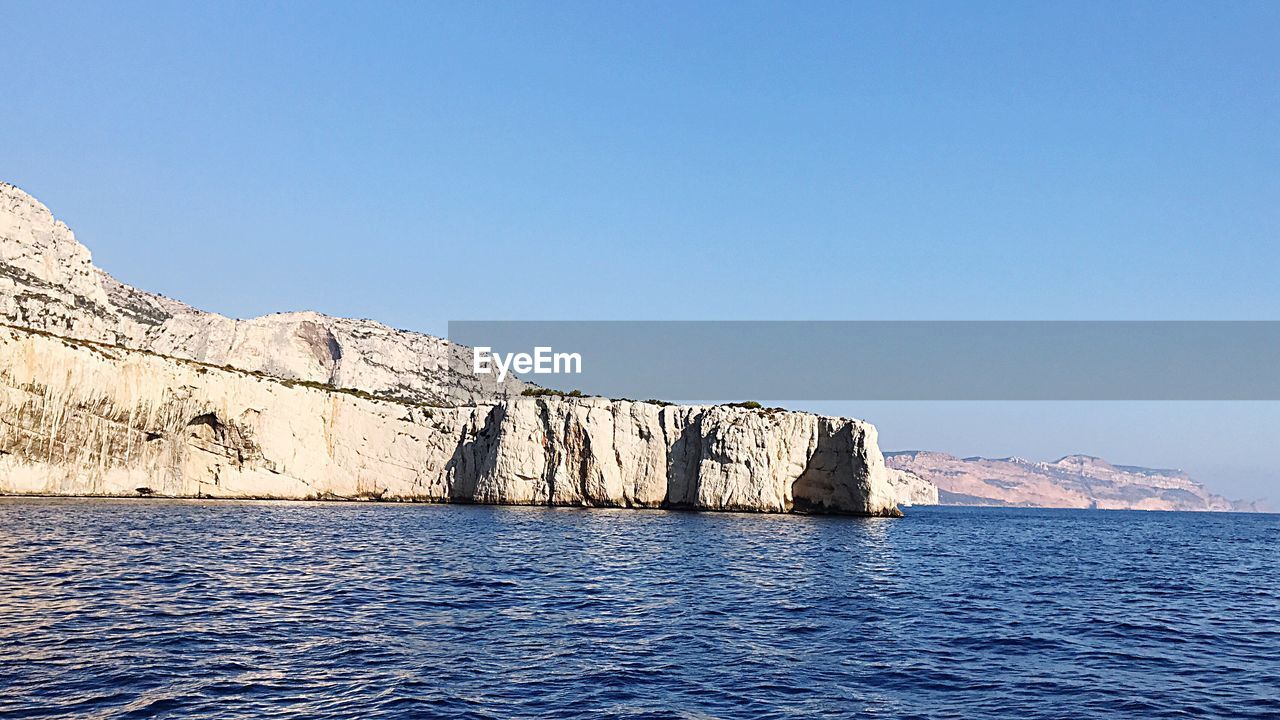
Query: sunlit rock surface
{"x": 83, "y": 418}
{"x": 48, "y": 282}
{"x": 911, "y": 489}
{"x": 111, "y": 390}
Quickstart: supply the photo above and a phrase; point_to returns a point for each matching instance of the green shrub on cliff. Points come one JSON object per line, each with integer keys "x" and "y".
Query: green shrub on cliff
{"x": 549, "y": 392}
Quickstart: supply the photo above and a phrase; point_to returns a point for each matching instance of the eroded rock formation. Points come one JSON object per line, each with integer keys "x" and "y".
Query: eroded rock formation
{"x": 48, "y": 282}
{"x": 109, "y": 390}
{"x": 84, "y": 418}
{"x": 911, "y": 489}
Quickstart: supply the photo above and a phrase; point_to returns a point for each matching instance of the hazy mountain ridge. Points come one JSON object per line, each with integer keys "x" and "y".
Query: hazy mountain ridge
{"x": 1073, "y": 481}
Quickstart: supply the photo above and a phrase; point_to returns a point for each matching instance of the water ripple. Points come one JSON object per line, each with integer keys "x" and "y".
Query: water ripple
{"x": 142, "y": 609}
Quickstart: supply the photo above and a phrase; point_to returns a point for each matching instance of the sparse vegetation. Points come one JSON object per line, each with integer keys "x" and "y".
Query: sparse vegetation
{"x": 550, "y": 392}
{"x": 753, "y": 405}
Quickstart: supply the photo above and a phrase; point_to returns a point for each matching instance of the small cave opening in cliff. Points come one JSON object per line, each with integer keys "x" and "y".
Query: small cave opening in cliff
{"x": 206, "y": 427}
{"x": 208, "y": 420}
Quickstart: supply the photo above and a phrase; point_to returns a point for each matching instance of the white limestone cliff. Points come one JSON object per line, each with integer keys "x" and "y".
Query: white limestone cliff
{"x": 48, "y": 282}
{"x": 110, "y": 390}
{"x": 911, "y": 489}
{"x": 83, "y": 418}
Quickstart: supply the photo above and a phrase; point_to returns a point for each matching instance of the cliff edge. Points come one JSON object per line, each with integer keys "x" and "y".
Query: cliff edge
{"x": 85, "y": 418}
{"x": 109, "y": 390}
{"x": 48, "y": 282}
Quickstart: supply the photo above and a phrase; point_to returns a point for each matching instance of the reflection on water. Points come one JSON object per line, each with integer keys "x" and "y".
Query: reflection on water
{"x": 219, "y": 609}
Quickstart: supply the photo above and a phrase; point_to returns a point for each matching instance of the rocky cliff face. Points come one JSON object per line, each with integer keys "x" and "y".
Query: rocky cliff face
{"x": 109, "y": 390}
{"x": 90, "y": 419}
{"x": 48, "y": 282}
{"x": 1075, "y": 481}
{"x": 911, "y": 489}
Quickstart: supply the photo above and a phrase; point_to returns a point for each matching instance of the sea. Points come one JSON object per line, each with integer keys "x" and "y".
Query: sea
{"x": 226, "y": 609}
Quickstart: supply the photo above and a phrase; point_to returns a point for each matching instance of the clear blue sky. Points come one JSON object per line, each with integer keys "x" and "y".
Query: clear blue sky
{"x": 419, "y": 162}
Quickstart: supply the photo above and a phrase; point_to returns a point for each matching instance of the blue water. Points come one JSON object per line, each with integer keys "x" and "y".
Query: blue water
{"x": 138, "y": 608}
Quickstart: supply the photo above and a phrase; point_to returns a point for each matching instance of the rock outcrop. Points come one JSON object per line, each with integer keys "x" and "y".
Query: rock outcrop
{"x": 1075, "y": 481}
{"x": 911, "y": 489}
{"x": 85, "y": 418}
{"x": 110, "y": 390}
{"x": 48, "y": 282}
